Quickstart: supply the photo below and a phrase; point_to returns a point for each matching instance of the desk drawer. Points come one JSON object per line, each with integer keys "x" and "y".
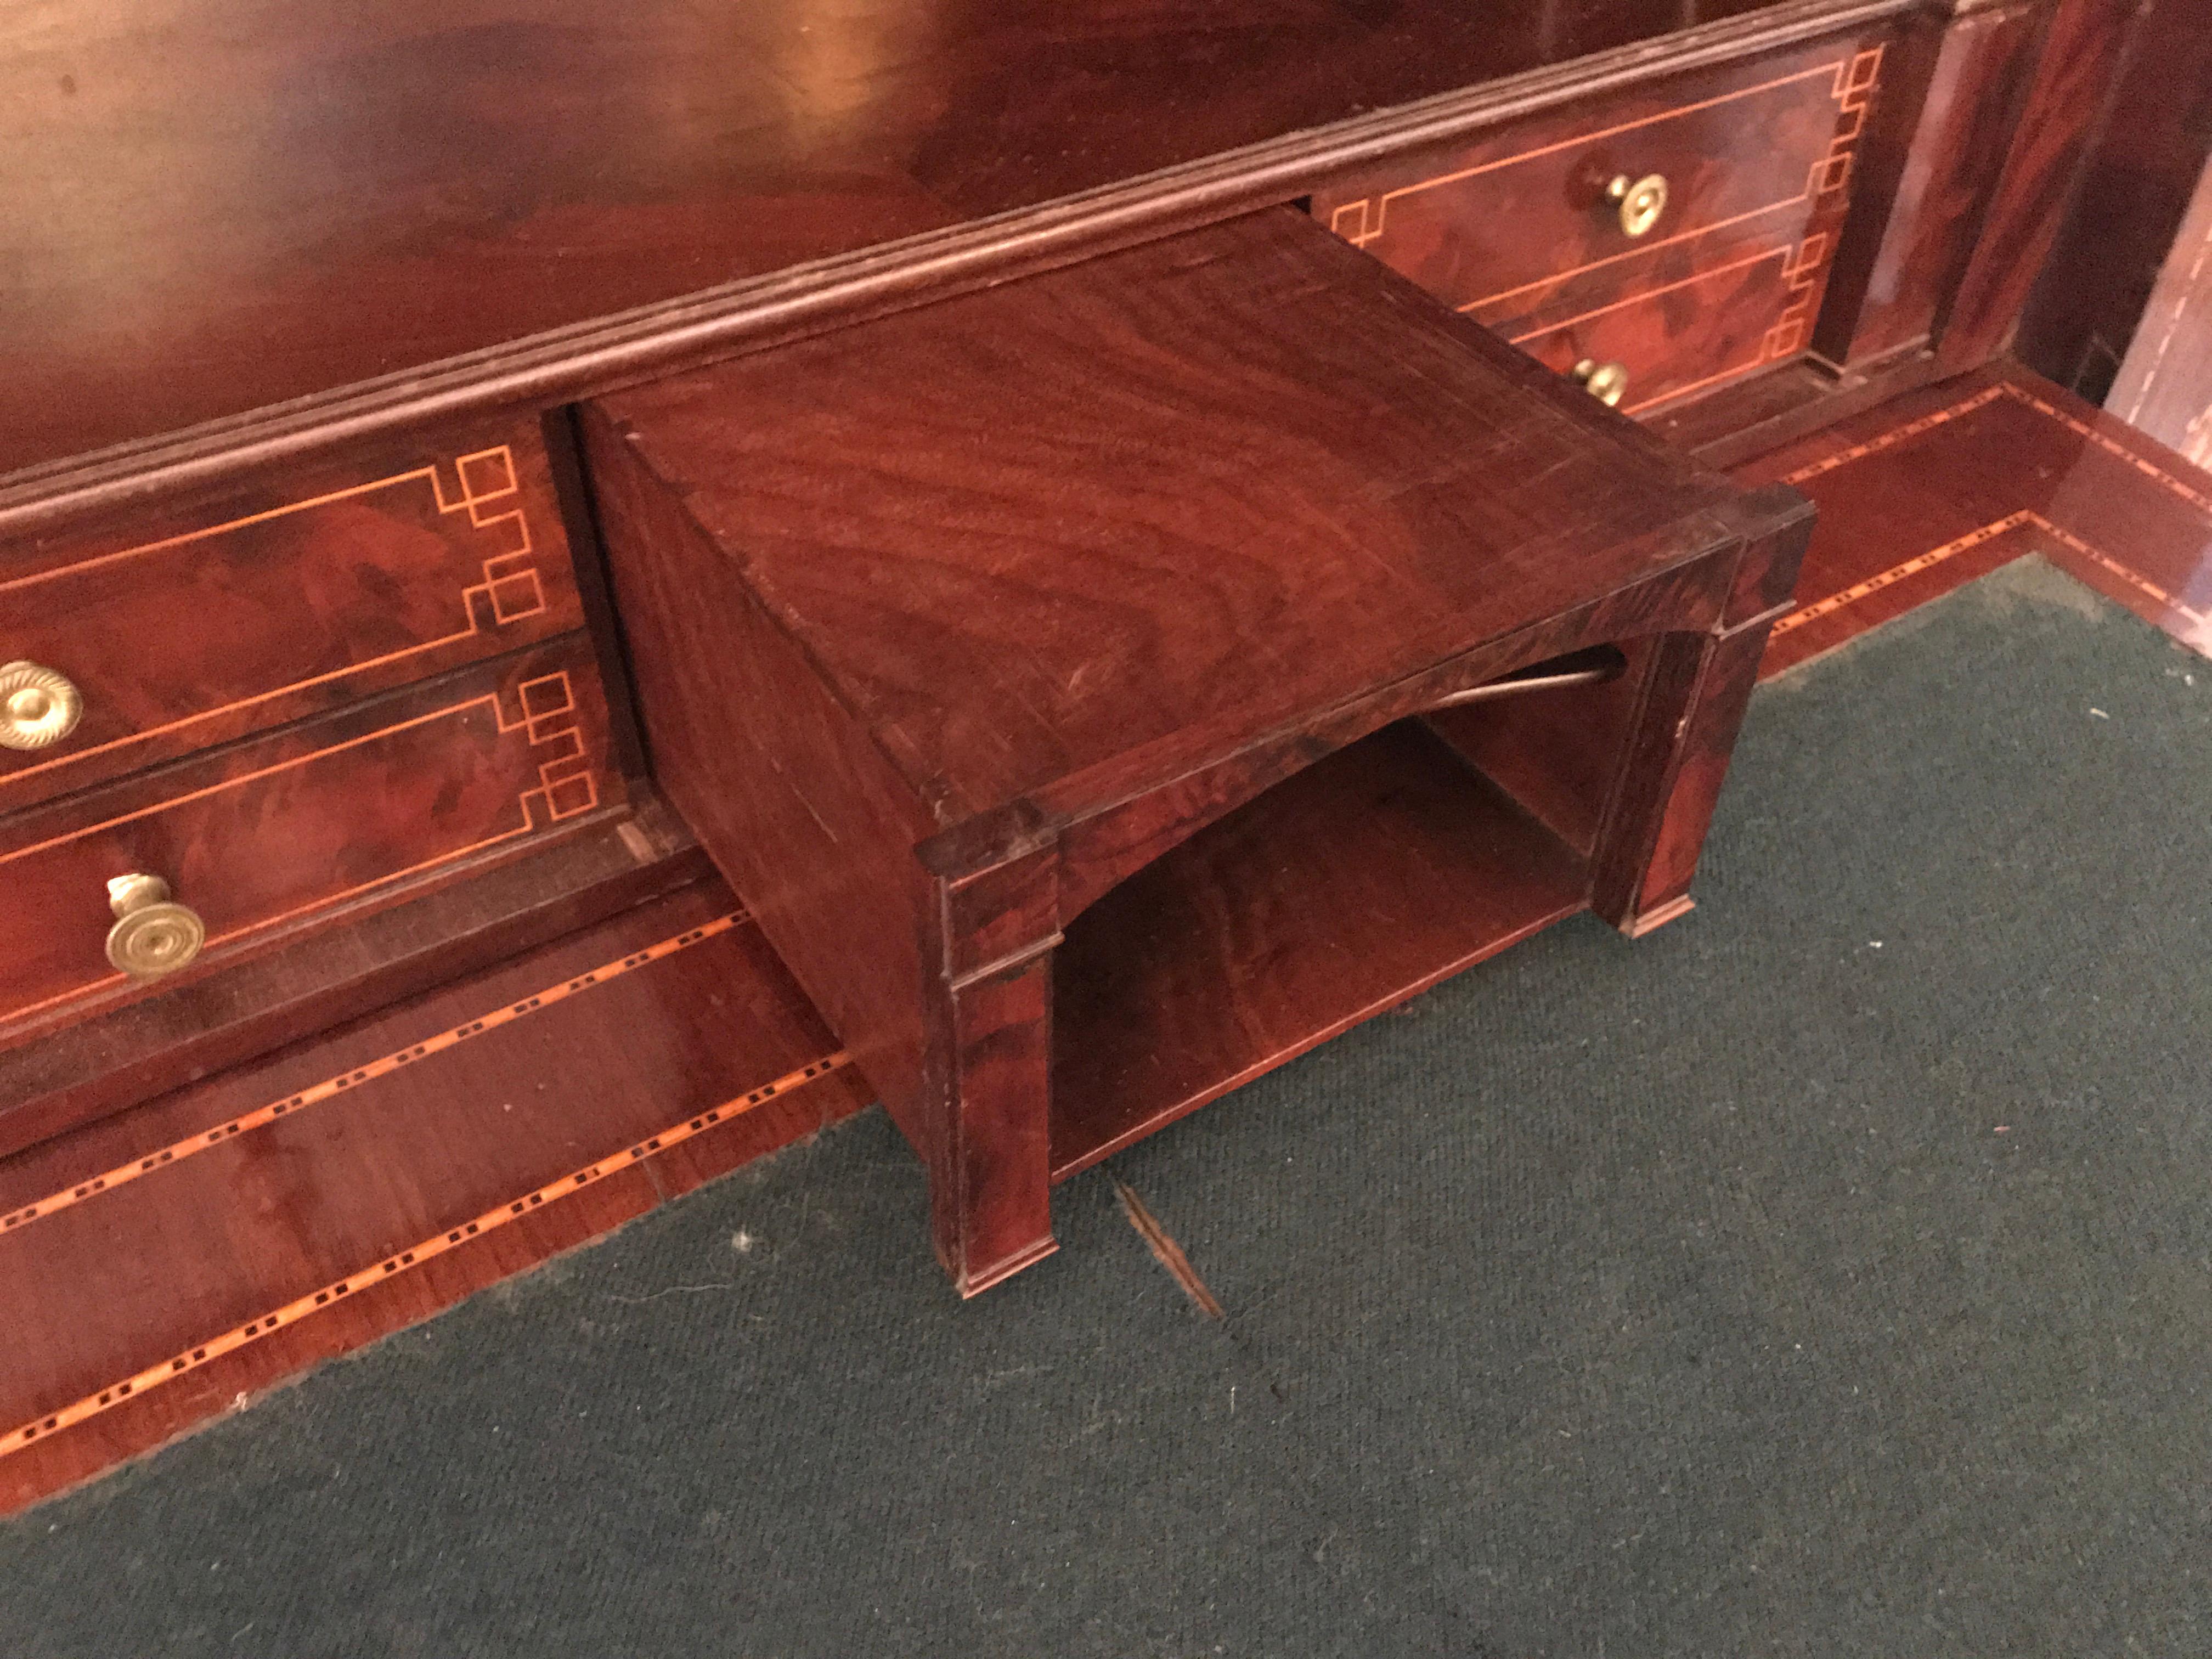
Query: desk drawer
{"x": 179, "y": 630}
{"x": 1516, "y": 228}
{"x": 299, "y": 827}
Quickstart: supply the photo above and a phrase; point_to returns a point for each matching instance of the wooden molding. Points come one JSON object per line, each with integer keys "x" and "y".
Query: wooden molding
{"x": 607, "y": 353}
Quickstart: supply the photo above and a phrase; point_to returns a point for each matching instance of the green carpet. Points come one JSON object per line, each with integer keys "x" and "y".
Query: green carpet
{"x": 1830, "y": 1273}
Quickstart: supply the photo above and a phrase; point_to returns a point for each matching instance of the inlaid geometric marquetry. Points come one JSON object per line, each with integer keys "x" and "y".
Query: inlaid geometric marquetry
{"x": 2039, "y": 526}
{"x": 1727, "y": 285}
{"x": 311, "y": 574}
{"x": 1851, "y": 85}
{"x": 537, "y": 732}
{"x": 413, "y": 1256}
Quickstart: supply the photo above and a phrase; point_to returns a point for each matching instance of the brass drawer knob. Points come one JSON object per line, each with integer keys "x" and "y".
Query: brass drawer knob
{"x": 37, "y": 706}
{"x": 1641, "y": 201}
{"x": 153, "y": 935}
{"x": 1606, "y": 382}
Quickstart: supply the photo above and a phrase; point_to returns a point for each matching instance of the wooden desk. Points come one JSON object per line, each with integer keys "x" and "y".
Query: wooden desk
{"x": 1038, "y": 667}
{"x": 300, "y": 310}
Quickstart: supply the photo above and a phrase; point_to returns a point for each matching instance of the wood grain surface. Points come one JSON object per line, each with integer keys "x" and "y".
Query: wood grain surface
{"x": 1948, "y": 482}
{"x": 234, "y": 613}
{"x": 1047, "y": 585}
{"x": 188, "y": 1231}
{"x": 1054, "y": 544}
{"x": 222, "y": 211}
{"x": 326, "y": 816}
{"x": 1515, "y": 227}
{"x": 1357, "y": 883}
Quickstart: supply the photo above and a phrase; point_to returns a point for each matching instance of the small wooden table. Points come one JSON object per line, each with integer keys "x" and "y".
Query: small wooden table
{"x": 1070, "y": 677}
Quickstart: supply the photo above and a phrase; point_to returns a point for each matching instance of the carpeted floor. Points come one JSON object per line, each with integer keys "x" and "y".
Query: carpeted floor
{"x": 1830, "y": 1273}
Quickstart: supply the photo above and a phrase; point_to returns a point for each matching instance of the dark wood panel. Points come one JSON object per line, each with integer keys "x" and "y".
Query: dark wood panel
{"x": 1930, "y": 157}
{"x": 286, "y": 830}
{"x": 807, "y": 821}
{"x": 232, "y": 614}
{"x": 1058, "y": 543}
{"x": 790, "y": 301}
{"x": 617, "y": 1041}
{"x": 1043, "y": 583}
{"x": 2075, "y": 77}
{"x": 1515, "y": 227}
{"x": 1355, "y": 884}
{"x": 104, "y": 1063}
{"x": 450, "y": 184}
{"x": 1693, "y": 334}
{"x": 2127, "y": 215}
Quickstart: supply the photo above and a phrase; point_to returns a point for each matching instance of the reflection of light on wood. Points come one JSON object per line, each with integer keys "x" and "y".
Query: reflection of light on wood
{"x": 831, "y": 61}
{"x": 2197, "y": 441}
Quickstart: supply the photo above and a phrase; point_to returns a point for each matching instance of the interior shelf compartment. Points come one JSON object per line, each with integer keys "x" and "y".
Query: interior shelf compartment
{"x": 1343, "y": 890}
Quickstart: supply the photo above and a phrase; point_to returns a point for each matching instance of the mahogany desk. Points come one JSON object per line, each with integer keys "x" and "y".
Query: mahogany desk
{"x": 303, "y": 605}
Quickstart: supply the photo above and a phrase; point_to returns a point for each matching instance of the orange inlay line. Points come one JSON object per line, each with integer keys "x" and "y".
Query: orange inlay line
{"x": 2196, "y": 498}
{"x": 377, "y": 736}
{"x": 1759, "y": 360}
{"x": 260, "y": 1117}
{"x": 327, "y": 901}
{"x": 1383, "y": 202}
{"x": 407, "y": 1260}
{"x": 437, "y": 492}
{"x": 1911, "y": 566}
{"x": 1973, "y": 539}
{"x": 1636, "y": 252}
{"x": 1781, "y": 253}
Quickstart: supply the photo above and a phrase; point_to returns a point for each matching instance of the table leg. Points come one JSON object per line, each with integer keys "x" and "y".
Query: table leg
{"x": 1678, "y": 758}
{"x": 991, "y": 1192}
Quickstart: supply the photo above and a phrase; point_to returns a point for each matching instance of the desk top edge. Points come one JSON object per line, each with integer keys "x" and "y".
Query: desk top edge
{"x": 598, "y": 353}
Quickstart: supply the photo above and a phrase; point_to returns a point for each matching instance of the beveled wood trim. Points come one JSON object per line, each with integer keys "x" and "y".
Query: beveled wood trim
{"x": 596, "y": 356}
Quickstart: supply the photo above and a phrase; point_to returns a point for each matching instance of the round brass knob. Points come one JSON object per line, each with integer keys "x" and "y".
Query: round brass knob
{"x": 153, "y": 935}
{"x": 1606, "y": 382}
{"x": 1641, "y": 201}
{"x": 37, "y": 706}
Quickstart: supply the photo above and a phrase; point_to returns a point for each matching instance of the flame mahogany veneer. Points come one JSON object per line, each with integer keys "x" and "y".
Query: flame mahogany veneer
{"x": 289, "y": 440}
{"x": 1039, "y": 667}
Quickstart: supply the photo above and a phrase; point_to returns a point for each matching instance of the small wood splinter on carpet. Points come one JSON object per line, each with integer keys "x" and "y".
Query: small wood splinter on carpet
{"x": 1165, "y": 1251}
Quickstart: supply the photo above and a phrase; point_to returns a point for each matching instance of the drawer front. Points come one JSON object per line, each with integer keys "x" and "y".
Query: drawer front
{"x": 1517, "y": 228}
{"x": 180, "y": 631}
{"x": 1685, "y": 336}
{"x": 302, "y": 827}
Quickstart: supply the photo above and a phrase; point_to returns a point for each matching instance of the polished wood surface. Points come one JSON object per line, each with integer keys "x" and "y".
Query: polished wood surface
{"x": 1928, "y": 162}
{"x": 2084, "y": 43}
{"x": 1855, "y": 542}
{"x": 1515, "y": 227}
{"x": 2164, "y": 383}
{"x": 1357, "y": 882}
{"x": 332, "y": 197}
{"x": 1056, "y": 544}
{"x": 1952, "y": 481}
{"x": 242, "y": 1227}
{"x": 104, "y": 1062}
{"x": 326, "y": 817}
{"x": 220, "y": 617}
{"x": 1043, "y": 582}
{"x": 2127, "y": 213}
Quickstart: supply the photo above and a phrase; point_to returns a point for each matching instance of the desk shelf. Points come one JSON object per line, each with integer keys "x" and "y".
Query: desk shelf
{"x": 1348, "y": 888}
